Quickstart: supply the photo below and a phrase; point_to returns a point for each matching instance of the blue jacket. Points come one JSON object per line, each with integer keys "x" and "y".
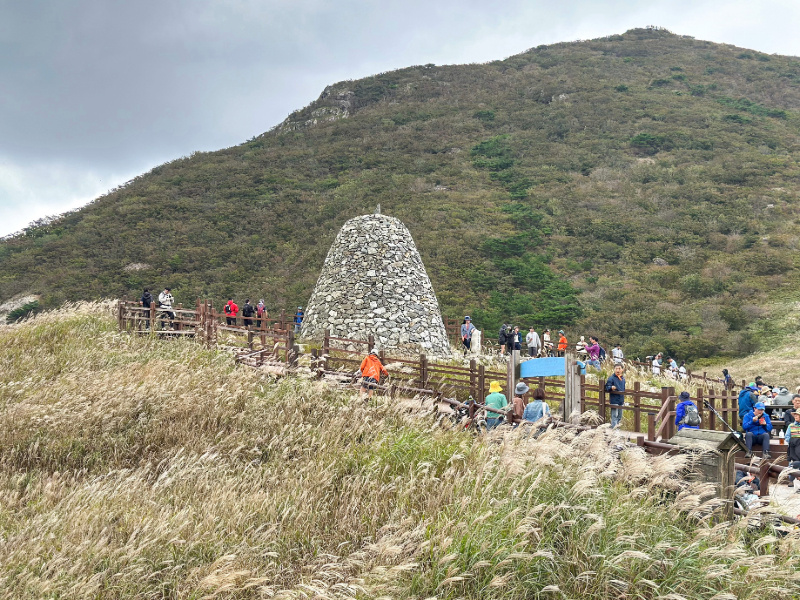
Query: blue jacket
{"x": 535, "y": 410}
{"x": 615, "y": 397}
{"x": 746, "y": 403}
{"x": 680, "y": 412}
{"x": 754, "y": 427}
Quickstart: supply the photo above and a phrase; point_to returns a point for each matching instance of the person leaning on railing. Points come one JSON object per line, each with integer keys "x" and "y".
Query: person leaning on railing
{"x": 615, "y": 386}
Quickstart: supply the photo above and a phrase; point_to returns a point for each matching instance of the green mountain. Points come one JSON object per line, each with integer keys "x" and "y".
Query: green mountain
{"x": 643, "y": 187}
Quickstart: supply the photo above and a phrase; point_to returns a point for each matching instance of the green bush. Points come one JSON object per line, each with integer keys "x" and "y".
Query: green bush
{"x": 23, "y": 311}
{"x": 484, "y": 115}
{"x": 649, "y": 143}
{"x": 621, "y": 88}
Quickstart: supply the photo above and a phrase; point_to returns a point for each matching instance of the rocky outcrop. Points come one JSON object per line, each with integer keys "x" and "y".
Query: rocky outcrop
{"x": 373, "y": 282}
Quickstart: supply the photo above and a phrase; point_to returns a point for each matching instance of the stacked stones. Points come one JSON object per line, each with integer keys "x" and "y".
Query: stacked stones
{"x": 373, "y": 282}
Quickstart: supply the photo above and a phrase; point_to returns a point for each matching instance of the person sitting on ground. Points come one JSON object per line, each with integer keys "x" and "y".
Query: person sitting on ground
{"x": 682, "y": 372}
{"x": 533, "y": 342}
{"x": 466, "y": 333}
{"x": 747, "y": 400}
{"x": 248, "y": 310}
{"x": 686, "y": 414}
{"x": 792, "y": 437}
{"x": 518, "y": 403}
{"x": 562, "y": 343}
{"x": 788, "y": 416}
{"x": 749, "y": 486}
{"x": 371, "y": 371}
{"x": 615, "y": 386}
{"x": 593, "y": 350}
{"x": 231, "y": 309}
{"x": 757, "y": 426}
{"x": 497, "y": 400}
{"x": 536, "y": 408}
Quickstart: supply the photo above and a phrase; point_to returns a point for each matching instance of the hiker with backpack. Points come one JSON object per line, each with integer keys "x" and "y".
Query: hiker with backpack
{"x": 727, "y": 379}
{"x": 502, "y": 338}
{"x": 298, "y": 319}
{"x": 261, "y": 313}
{"x": 792, "y": 437}
{"x": 593, "y": 350}
{"x": 686, "y": 413}
{"x": 231, "y": 310}
{"x": 747, "y": 400}
{"x": 248, "y": 310}
{"x": 757, "y": 426}
{"x": 615, "y": 386}
{"x": 370, "y": 371}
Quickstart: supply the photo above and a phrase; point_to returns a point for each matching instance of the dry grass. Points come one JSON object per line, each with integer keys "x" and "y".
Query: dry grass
{"x": 136, "y": 468}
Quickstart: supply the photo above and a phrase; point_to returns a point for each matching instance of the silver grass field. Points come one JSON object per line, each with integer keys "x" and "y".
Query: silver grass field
{"x": 137, "y": 468}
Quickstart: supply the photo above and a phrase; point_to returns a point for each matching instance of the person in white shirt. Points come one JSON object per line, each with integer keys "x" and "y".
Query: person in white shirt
{"x": 617, "y": 355}
{"x": 682, "y": 372}
{"x": 165, "y": 300}
{"x": 657, "y": 364}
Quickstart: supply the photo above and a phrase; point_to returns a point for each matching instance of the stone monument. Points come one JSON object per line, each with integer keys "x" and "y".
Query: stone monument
{"x": 373, "y": 282}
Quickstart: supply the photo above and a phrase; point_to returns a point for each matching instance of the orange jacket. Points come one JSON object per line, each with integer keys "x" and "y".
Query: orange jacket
{"x": 562, "y": 343}
{"x": 371, "y": 367}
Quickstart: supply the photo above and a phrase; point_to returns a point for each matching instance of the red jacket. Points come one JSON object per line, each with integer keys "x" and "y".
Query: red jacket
{"x": 371, "y": 367}
{"x": 234, "y": 309}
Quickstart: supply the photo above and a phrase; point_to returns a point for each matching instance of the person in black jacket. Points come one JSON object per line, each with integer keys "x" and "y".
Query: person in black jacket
{"x": 615, "y": 386}
{"x": 147, "y": 300}
{"x": 503, "y": 338}
{"x": 248, "y": 310}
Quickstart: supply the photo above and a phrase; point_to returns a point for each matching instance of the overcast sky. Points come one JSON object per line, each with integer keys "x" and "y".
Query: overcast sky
{"x": 94, "y": 92}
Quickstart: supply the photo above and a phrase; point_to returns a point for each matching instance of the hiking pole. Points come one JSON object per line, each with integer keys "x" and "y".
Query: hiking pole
{"x": 736, "y": 434}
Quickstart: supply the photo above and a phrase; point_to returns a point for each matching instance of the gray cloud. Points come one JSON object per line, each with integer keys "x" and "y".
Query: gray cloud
{"x": 93, "y": 92}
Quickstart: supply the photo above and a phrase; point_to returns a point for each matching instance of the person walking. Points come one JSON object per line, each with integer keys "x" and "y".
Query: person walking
{"x": 657, "y": 364}
{"x": 298, "y": 319}
{"x": 757, "y": 426}
{"x": 467, "y": 328}
{"x": 231, "y": 309}
{"x": 248, "y": 310}
{"x": 497, "y": 400}
{"x": 727, "y": 379}
{"x": 371, "y": 371}
{"x": 562, "y": 343}
{"x": 147, "y": 302}
{"x": 686, "y": 414}
{"x": 165, "y": 300}
{"x": 617, "y": 355}
{"x": 502, "y": 338}
{"x": 533, "y": 342}
{"x": 615, "y": 386}
{"x": 261, "y": 313}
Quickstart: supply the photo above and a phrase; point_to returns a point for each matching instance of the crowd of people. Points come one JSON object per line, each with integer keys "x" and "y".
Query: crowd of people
{"x": 250, "y": 314}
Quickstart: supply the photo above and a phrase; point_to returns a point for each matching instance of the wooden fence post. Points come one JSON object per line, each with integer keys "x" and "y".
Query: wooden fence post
{"x": 699, "y": 403}
{"x": 637, "y": 409}
{"x": 153, "y": 316}
{"x": 651, "y": 427}
{"x": 601, "y": 398}
{"x": 250, "y": 337}
{"x": 370, "y": 343}
{"x": 289, "y": 345}
{"x": 423, "y": 371}
{"x": 583, "y": 393}
{"x": 283, "y": 319}
{"x": 119, "y": 315}
{"x": 473, "y": 374}
{"x": 481, "y": 384}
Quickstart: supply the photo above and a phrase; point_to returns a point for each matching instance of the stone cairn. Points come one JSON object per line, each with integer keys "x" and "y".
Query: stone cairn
{"x": 373, "y": 282}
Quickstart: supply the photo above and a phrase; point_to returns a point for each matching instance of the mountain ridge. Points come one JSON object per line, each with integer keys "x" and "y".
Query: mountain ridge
{"x": 540, "y": 189}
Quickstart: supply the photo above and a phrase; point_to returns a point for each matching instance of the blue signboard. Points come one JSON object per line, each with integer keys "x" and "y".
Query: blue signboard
{"x": 546, "y": 367}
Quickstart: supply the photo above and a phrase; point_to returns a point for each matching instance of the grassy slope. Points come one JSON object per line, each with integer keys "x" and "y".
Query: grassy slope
{"x": 132, "y": 468}
{"x": 579, "y": 162}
